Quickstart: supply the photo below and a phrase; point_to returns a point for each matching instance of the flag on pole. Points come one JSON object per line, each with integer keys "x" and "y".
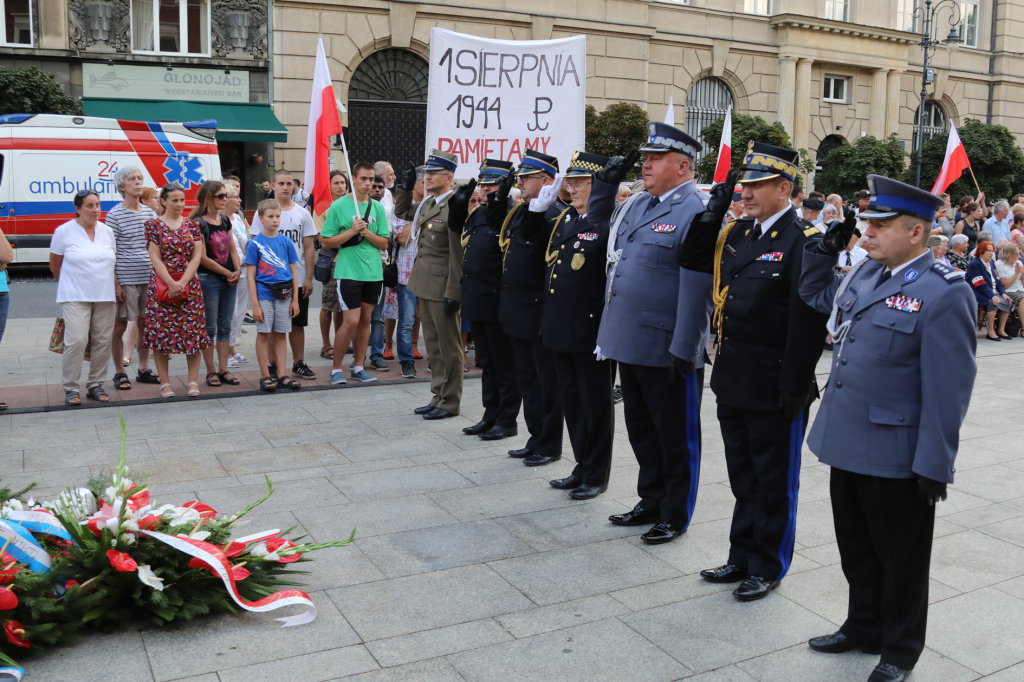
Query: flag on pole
{"x": 955, "y": 163}
{"x": 670, "y": 115}
{"x": 323, "y": 123}
{"x": 724, "y": 150}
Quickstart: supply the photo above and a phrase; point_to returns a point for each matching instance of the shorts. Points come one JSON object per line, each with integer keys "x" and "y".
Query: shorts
{"x": 302, "y": 319}
{"x": 136, "y": 297}
{"x": 277, "y": 316}
{"x": 329, "y": 300}
{"x": 353, "y": 293}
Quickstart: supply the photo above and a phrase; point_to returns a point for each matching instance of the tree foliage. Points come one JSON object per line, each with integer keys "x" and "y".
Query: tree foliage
{"x": 744, "y": 130}
{"x": 848, "y": 165}
{"x": 997, "y": 162}
{"x": 34, "y": 91}
{"x": 613, "y": 131}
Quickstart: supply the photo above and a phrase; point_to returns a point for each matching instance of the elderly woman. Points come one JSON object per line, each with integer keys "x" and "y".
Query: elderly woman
{"x": 957, "y": 254}
{"x": 989, "y": 291}
{"x": 151, "y": 197}
{"x": 82, "y": 261}
{"x": 1010, "y": 271}
{"x": 939, "y": 246}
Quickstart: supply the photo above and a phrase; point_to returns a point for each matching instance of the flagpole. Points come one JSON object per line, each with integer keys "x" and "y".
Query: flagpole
{"x": 975, "y": 179}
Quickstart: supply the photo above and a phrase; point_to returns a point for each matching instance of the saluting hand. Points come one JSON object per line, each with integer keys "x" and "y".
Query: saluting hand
{"x": 838, "y": 234}
{"x": 615, "y": 170}
{"x": 548, "y": 194}
{"x": 719, "y": 202}
{"x": 504, "y": 187}
{"x": 462, "y": 195}
{"x": 409, "y": 177}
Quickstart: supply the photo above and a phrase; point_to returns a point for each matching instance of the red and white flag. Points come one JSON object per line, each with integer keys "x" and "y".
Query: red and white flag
{"x": 955, "y": 163}
{"x": 323, "y": 123}
{"x": 724, "y": 150}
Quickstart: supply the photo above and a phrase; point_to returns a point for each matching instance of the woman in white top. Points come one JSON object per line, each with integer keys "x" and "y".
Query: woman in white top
{"x": 82, "y": 261}
{"x": 1010, "y": 270}
{"x": 240, "y": 235}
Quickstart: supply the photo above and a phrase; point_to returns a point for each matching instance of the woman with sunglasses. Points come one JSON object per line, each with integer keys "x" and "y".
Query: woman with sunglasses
{"x": 219, "y": 274}
{"x": 82, "y": 261}
{"x": 175, "y": 246}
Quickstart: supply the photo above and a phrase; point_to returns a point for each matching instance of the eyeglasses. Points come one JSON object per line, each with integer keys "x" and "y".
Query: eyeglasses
{"x": 577, "y": 185}
{"x": 173, "y": 186}
{"x": 432, "y": 173}
{"x": 82, "y": 193}
{"x": 222, "y": 195}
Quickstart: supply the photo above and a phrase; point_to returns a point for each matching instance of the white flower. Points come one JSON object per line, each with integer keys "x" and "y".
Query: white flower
{"x": 14, "y": 504}
{"x": 179, "y": 516}
{"x": 113, "y": 542}
{"x": 128, "y": 539}
{"x": 110, "y": 493}
{"x": 259, "y": 549}
{"x": 149, "y": 578}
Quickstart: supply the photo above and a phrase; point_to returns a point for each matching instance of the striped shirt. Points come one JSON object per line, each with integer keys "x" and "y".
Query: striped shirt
{"x": 133, "y": 264}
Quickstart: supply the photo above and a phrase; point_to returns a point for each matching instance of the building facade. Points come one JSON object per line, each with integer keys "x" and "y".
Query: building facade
{"x": 829, "y": 70}
{"x": 159, "y": 60}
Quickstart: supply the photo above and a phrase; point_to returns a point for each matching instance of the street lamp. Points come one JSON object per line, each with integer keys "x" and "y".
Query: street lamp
{"x": 926, "y": 15}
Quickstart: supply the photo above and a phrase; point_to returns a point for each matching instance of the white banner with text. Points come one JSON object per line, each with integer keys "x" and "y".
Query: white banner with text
{"x": 497, "y": 98}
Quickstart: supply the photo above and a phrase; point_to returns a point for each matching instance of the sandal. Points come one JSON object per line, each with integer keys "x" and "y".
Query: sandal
{"x": 147, "y": 376}
{"x": 232, "y": 381}
{"x": 327, "y": 352}
{"x": 211, "y": 378}
{"x": 268, "y": 384}
{"x": 285, "y": 382}
{"x": 98, "y": 394}
{"x": 122, "y": 382}
{"x": 3, "y": 406}
{"x": 166, "y": 394}
{"x": 72, "y": 398}
{"x": 193, "y": 392}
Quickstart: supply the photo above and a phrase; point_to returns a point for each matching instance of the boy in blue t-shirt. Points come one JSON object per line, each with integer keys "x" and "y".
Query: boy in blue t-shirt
{"x": 270, "y": 262}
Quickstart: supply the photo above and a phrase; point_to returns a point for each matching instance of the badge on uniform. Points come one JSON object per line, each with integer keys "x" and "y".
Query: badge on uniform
{"x": 578, "y": 260}
{"x": 771, "y": 256}
{"x": 911, "y": 275}
{"x": 662, "y": 227}
{"x": 587, "y": 236}
{"x": 433, "y": 237}
{"x": 904, "y": 303}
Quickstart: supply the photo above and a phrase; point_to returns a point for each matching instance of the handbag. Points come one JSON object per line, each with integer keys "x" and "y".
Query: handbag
{"x": 391, "y": 269}
{"x": 57, "y": 339}
{"x": 323, "y": 268}
{"x": 163, "y": 292}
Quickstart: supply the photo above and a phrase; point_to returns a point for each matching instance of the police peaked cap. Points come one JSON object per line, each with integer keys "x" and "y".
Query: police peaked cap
{"x": 492, "y": 170}
{"x": 438, "y": 160}
{"x": 583, "y": 165}
{"x": 890, "y": 198}
{"x": 534, "y": 162}
{"x": 765, "y": 161}
{"x": 661, "y": 137}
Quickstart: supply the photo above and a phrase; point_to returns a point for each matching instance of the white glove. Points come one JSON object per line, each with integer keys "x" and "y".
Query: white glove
{"x": 548, "y": 194}
{"x": 597, "y": 352}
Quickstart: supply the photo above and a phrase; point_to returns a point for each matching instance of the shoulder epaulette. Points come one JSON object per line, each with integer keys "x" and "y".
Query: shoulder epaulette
{"x": 948, "y": 273}
{"x": 812, "y": 231}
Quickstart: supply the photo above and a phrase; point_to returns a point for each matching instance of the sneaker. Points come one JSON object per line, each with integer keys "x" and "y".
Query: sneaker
{"x": 338, "y": 376}
{"x": 363, "y": 375}
{"x": 416, "y": 353}
{"x": 388, "y": 353}
{"x": 617, "y": 395}
{"x": 379, "y": 365}
{"x": 248, "y": 319}
{"x": 408, "y": 369}
{"x": 301, "y": 369}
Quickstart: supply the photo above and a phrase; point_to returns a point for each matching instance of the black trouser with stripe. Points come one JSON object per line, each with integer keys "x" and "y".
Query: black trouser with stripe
{"x": 500, "y": 390}
{"x": 762, "y": 453}
{"x": 663, "y": 423}
{"x": 885, "y": 542}
{"x": 585, "y": 386}
{"x": 542, "y": 407}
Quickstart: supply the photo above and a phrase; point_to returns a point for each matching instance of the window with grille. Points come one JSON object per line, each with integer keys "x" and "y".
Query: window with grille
{"x": 835, "y": 89}
{"x": 708, "y": 100}
{"x": 837, "y": 10}
{"x": 934, "y": 121}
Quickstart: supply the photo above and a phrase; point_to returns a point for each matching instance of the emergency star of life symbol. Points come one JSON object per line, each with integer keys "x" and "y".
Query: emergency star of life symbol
{"x": 183, "y": 169}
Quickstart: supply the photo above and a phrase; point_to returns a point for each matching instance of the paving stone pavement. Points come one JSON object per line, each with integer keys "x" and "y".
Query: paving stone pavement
{"x": 468, "y": 566}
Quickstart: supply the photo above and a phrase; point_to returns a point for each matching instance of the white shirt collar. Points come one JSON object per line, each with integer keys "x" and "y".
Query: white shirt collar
{"x": 438, "y": 200}
{"x": 666, "y": 195}
{"x": 767, "y": 224}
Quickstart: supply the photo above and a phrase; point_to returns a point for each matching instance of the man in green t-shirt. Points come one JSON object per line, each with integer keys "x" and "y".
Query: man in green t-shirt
{"x": 359, "y": 271}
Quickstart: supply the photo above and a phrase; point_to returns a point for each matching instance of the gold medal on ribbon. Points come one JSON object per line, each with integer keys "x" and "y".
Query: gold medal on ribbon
{"x": 577, "y": 261}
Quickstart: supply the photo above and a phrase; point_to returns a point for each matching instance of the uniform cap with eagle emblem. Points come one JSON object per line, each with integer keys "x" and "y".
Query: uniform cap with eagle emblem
{"x": 439, "y": 160}
{"x": 534, "y": 162}
{"x": 766, "y": 161}
{"x": 492, "y": 170}
{"x": 661, "y": 137}
{"x": 583, "y": 165}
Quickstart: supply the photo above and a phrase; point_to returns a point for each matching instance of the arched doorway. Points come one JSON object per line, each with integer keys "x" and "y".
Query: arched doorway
{"x": 934, "y": 121}
{"x": 707, "y": 101}
{"x": 827, "y": 145}
{"x": 387, "y": 109}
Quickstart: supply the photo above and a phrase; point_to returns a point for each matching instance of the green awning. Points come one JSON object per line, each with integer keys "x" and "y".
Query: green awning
{"x": 241, "y": 122}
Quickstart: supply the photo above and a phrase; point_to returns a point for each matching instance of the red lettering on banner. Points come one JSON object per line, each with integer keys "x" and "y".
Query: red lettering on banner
{"x": 474, "y": 148}
{"x": 440, "y": 144}
{"x": 486, "y": 153}
{"x": 514, "y": 150}
{"x": 534, "y": 145}
{"x": 501, "y": 154}
{"x": 544, "y": 141}
{"x": 457, "y": 149}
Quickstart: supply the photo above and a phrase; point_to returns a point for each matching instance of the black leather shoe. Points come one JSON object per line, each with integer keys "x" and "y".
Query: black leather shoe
{"x": 424, "y": 409}
{"x": 887, "y": 672}
{"x": 567, "y": 483}
{"x": 838, "y": 643}
{"x": 661, "y": 533}
{"x": 438, "y": 413}
{"x": 724, "y": 574}
{"x": 635, "y": 517}
{"x": 588, "y": 492}
{"x": 520, "y": 453}
{"x": 477, "y": 429}
{"x": 754, "y": 588}
{"x": 539, "y": 460}
{"x": 499, "y": 432}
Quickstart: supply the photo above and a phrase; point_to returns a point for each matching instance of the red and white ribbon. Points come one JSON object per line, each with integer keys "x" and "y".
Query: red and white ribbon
{"x": 214, "y": 557}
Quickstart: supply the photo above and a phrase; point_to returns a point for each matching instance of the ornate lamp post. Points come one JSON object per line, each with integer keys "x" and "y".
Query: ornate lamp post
{"x": 926, "y": 15}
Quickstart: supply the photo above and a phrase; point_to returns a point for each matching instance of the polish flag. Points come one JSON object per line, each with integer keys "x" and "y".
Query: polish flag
{"x": 670, "y": 114}
{"x": 724, "y": 150}
{"x": 323, "y": 123}
{"x": 955, "y": 163}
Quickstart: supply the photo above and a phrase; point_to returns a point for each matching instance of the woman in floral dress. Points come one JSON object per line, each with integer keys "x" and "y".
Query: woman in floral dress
{"x": 175, "y": 246}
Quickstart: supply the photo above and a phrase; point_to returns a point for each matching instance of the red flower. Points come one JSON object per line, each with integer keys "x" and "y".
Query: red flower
{"x": 275, "y": 544}
{"x": 239, "y": 573}
{"x": 138, "y": 500}
{"x": 8, "y": 600}
{"x": 205, "y": 510}
{"x": 198, "y": 563}
{"x": 233, "y": 548}
{"x": 16, "y": 634}
{"x": 69, "y": 584}
{"x": 7, "y": 575}
{"x": 121, "y": 561}
{"x": 148, "y": 522}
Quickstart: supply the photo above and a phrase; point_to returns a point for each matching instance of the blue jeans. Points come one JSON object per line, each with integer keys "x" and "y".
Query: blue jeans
{"x": 406, "y": 316}
{"x": 377, "y": 328}
{"x": 219, "y": 304}
{"x": 5, "y": 304}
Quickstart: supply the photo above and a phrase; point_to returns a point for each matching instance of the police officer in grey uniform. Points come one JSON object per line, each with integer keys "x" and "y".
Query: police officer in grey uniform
{"x": 888, "y": 425}
{"x": 655, "y": 324}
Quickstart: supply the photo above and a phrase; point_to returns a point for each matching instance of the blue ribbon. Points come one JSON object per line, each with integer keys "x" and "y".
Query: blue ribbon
{"x": 25, "y": 551}
{"x": 11, "y": 673}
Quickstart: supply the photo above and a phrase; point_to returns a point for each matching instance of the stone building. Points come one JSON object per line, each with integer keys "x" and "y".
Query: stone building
{"x": 159, "y": 60}
{"x": 829, "y": 70}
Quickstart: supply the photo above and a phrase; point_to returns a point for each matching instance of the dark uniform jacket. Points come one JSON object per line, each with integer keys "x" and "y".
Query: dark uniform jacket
{"x": 481, "y": 268}
{"x": 574, "y": 296}
{"x": 771, "y": 340}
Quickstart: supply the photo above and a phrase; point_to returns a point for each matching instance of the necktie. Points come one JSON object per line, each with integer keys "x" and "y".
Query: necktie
{"x": 886, "y": 276}
{"x": 849, "y": 261}
{"x": 653, "y": 203}
{"x": 757, "y": 230}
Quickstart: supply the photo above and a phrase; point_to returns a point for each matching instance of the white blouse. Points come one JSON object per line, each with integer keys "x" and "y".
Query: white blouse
{"x": 87, "y": 271}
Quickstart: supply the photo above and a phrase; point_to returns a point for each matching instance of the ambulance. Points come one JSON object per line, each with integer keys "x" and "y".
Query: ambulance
{"x": 45, "y": 159}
